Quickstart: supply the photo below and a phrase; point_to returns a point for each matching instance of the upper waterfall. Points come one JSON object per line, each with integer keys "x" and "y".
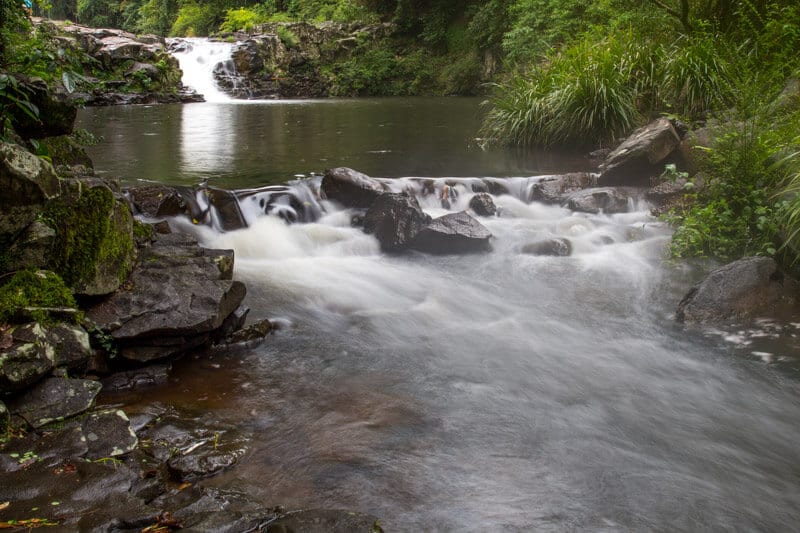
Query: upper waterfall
{"x": 198, "y": 59}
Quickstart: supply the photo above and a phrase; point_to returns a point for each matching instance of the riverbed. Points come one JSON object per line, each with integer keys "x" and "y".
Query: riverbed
{"x": 500, "y": 391}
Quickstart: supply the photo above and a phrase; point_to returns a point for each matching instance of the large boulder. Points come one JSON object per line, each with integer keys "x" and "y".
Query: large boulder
{"x": 179, "y": 295}
{"x": 350, "y": 187}
{"x": 27, "y": 183}
{"x": 638, "y": 158}
{"x": 55, "y": 399}
{"x": 32, "y": 248}
{"x": 608, "y": 200}
{"x": 94, "y": 250}
{"x": 743, "y": 289}
{"x": 452, "y": 233}
{"x": 395, "y": 219}
{"x": 553, "y": 189}
{"x": 27, "y": 359}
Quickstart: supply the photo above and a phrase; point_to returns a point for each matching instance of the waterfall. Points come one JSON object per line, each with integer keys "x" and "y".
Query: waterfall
{"x": 198, "y": 59}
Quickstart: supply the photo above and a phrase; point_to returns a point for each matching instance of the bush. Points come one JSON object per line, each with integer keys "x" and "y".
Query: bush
{"x": 196, "y": 19}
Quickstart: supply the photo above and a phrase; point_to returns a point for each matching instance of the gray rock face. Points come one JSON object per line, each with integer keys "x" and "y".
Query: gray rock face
{"x": 638, "y": 157}
{"x": 350, "y": 187}
{"x": 178, "y": 297}
{"x": 27, "y": 183}
{"x": 27, "y": 360}
{"x": 108, "y": 433}
{"x": 553, "y": 247}
{"x": 743, "y": 289}
{"x": 395, "y": 219}
{"x": 157, "y": 201}
{"x": 483, "y": 205}
{"x": 66, "y": 345}
{"x": 554, "y": 189}
{"x": 453, "y": 233}
{"x": 55, "y": 399}
{"x": 609, "y": 200}
{"x": 32, "y": 248}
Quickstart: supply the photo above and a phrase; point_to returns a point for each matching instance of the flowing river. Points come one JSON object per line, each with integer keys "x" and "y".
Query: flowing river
{"x": 489, "y": 392}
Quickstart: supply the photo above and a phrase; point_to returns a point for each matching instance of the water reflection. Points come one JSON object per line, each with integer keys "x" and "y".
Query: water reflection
{"x": 238, "y": 145}
{"x": 208, "y": 139}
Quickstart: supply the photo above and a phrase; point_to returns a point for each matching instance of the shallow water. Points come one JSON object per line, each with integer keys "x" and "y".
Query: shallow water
{"x": 488, "y": 392}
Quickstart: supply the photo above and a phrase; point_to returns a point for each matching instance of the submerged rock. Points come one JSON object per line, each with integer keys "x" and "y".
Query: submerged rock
{"x": 140, "y": 378}
{"x": 554, "y": 247}
{"x": 350, "y": 187}
{"x": 639, "y": 156}
{"x": 452, "y": 233}
{"x": 395, "y": 219}
{"x": 746, "y": 288}
{"x": 55, "y": 399}
{"x": 324, "y": 521}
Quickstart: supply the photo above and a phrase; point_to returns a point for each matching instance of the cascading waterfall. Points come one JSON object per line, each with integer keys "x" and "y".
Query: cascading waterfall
{"x": 198, "y": 59}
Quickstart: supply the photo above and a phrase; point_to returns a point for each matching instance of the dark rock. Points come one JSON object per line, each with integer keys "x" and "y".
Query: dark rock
{"x": 555, "y": 247}
{"x": 229, "y": 214}
{"x": 744, "y": 289}
{"x": 55, "y": 399}
{"x": 27, "y": 183}
{"x": 141, "y": 378}
{"x": 178, "y": 296}
{"x": 234, "y": 322}
{"x": 609, "y": 200}
{"x": 26, "y": 361}
{"x": 554, "y": 189}
{"x": 148, "y": 69}
{"x": 71, "y": 346}
{"x": 156, "y": 201}
{"x": 452, "y": 233}
{"x": 395, "y": 219}
{"x": 64, "y": 151}
{"x": 57, "y": 112}
{"x": 5, "y": 417}
{"x": 667, "y": 194}
{"x": 94, "y": 249}
{"x": 350, "y": 187}
{"x": 108, "y": 433}
{"x": 162, "y": 228}
{"x": 483, "y": 205}
{"x": 324, "y": 521}
{"x": 32, "y": 248}
{"x": 637, "y": 159}
{"x": 254, "y": 332}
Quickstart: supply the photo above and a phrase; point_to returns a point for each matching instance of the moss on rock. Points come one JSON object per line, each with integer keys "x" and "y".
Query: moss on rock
{"x": 34, "y": 289}
{"x": 94, "y": 249}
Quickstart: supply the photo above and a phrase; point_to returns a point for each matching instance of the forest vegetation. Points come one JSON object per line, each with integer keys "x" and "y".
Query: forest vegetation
{"x": 566, "y": 73}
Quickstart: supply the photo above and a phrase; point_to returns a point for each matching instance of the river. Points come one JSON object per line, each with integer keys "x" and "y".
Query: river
{"x": 489, "y": 392}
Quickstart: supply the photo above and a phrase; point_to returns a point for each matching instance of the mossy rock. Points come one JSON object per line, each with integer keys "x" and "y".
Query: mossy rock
{"x": 30, "y": 289}
{"x": 94, "y": 250}
{"x": 63, "y": 150}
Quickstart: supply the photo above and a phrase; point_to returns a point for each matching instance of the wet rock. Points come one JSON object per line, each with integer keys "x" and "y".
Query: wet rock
{"x": 395, "y": 219}
{"x": 254, "y": 332}
{"x": 178, "y": 296}
{"x": 141, "y": 378}
{"x": 746, "y": 288}
{"x": 483, "y": 205}
{"x": 27, "y": 360}
{"x": 324, "y": 521}
{"x": 641, "y": 155}
{"x": 71, "y": 348}
{"x": 5, "y": 418}
{"x": 32, "y": 248}
{"x": 94, "y": 249}
{"x": 193, "y": 448}
{"x": 55, "y": 399}
{"x": 156, "y": 201}
{"x": 554, "y": 189}
{"x": 667, "y": 194}
{"x": 609, "y": 200}
{"x": 108, "y": 434}
{"x": 452, "y": 233}
{"x": 554, "y": 247}
{"x": 350, "y": 187}
{"x": 66, "y": 152}
{"x": 27, "y": 183}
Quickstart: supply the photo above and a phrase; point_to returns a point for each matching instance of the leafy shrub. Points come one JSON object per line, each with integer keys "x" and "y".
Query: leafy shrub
{"x": 195, "y": 19}
{"x": 287, "y": 37}
{"x": 241, "y": 19}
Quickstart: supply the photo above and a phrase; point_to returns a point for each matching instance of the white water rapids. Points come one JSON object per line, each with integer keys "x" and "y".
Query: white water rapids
{"x": 501, "y": 391}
